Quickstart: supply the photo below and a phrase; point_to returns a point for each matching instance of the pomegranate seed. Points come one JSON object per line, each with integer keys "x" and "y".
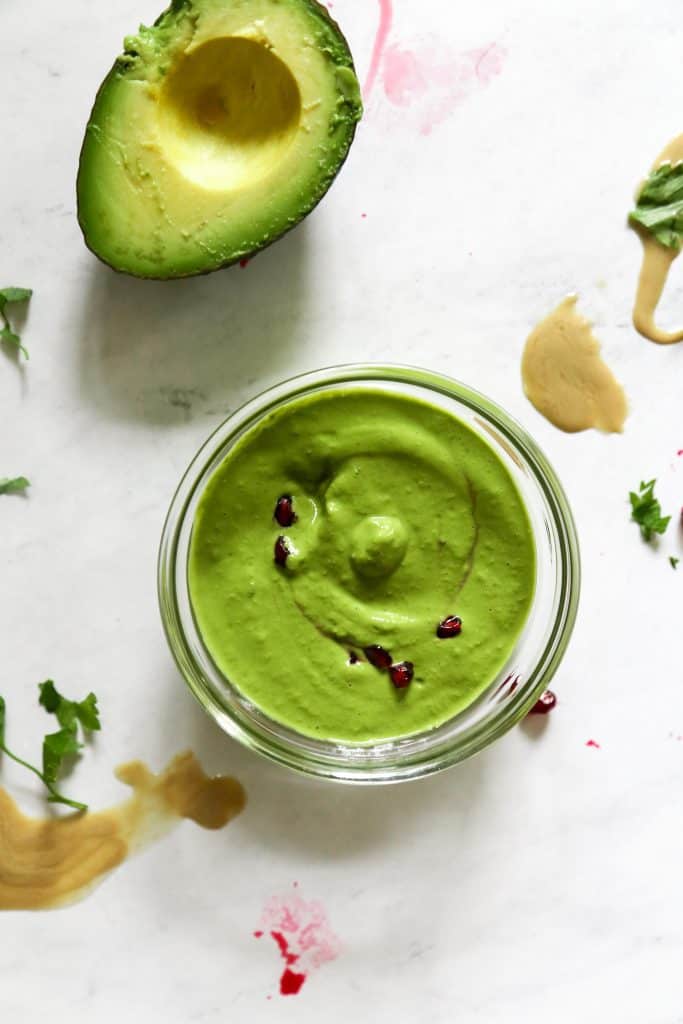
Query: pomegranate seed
{"x": 451, "y": 626}
{"x": 401, "y": 674}
{"x": 284, "y": 511}
{"x": 544, "y": 704}
{"x": 281, "y": 551}
{"x": 508, "y": 686}
{"x": 378, "y": 657}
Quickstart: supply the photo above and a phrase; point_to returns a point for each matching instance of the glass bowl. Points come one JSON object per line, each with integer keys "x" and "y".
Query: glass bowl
{"x": 508, "y": 697}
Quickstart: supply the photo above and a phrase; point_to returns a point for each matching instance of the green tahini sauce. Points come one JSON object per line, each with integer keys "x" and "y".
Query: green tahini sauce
{"x": 404, "y": 516}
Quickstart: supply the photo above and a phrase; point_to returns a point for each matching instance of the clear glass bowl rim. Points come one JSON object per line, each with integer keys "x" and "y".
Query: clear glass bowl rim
{"x": 338, "y": 763}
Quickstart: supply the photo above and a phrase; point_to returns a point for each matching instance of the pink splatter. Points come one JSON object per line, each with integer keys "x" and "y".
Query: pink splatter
{"x": 488, "y": 62}
{"x": 403, "y": 77}
{"x": 680, "y": 451}
{"x": 302, "y": 935}
{"x": 428, "y": 80}
{"x": 383, "y": 30}
{"x": 431, "y": 81}
{"x": 592, "y": 743}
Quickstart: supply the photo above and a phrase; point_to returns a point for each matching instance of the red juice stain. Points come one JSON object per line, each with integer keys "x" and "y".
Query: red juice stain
{"x": 592, "y": 743}
{"x": 291, "y": 982}
{"x": 680, "y": 451}
{"x": 257, "y": 935}
{"x": 302, "y": 935}
{"x": 283, "y": 946}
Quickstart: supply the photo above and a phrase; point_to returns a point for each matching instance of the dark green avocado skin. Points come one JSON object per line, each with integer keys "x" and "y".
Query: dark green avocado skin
{"x": 342, "y": 132}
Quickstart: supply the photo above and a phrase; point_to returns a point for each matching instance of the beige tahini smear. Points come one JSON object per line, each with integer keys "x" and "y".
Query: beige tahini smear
{"x": 657, "y": 260}
{"x": 566, "y": 379}
{"x": 50, "y": 862}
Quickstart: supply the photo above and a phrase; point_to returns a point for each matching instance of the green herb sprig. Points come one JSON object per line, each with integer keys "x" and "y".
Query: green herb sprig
{"x": 659, "y": 206}
{"x": 7, "y": 296}
{"x": 61, "y": 744}
{"x": 13, "y": 485}
{"x": 647, "y": 512}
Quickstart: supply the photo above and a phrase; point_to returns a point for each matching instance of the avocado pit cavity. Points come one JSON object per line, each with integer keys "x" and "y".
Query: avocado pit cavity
{"x": 228, "y": 113}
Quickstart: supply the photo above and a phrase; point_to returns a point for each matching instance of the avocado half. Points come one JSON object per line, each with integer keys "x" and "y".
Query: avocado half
{"x": 217, "y": 130}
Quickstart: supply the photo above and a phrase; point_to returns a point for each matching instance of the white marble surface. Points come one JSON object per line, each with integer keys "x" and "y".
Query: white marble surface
{"x": 541, "y": 881}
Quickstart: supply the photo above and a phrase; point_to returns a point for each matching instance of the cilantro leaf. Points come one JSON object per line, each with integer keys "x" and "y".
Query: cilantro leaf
{"x": 89, "y": 713}
{"x": 69, "y": 712}
{"x": 15, "y": 485}
{"x": 57, "y": 746}
{"x": 55, "y": 796}
{"x": 7, "y": 335}
{"x": 659, "y": 206}
{"x": 49, "y": 698}
{"x": 14, "y": 295}
{"x": 61, "y": 744}
{"x": 3, "y": 716}
{"x": 674, "y": 561}
{"x": 647, "y": 512}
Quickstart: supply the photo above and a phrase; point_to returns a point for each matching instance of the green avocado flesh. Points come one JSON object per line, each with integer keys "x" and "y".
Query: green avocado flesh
{"x": 215, "y": 132}
{"x": 404, "y": 517}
